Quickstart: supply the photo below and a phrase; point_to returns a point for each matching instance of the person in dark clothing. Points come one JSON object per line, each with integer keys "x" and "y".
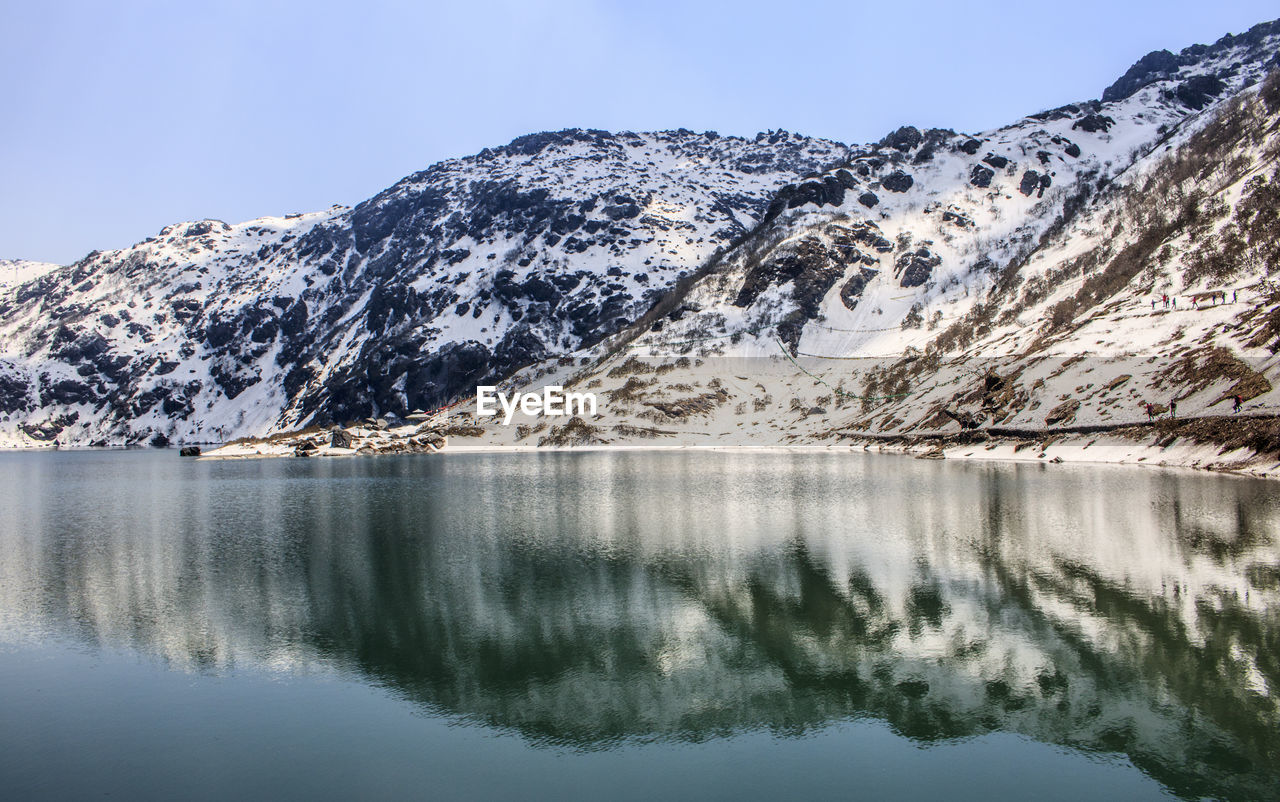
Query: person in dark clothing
{"x": 1238, "y": 403}
{"x": 1151, "y": 410}
{"x": 1173, "y": 408}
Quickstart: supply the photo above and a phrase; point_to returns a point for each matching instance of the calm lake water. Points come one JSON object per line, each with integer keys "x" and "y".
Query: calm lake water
{"x": 634, "y": 625}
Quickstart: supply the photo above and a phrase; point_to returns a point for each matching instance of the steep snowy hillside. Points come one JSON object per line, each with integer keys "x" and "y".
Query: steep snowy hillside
{"x": 455, "y": 275}
{"x": 917, "y": 229}
{"x": 940, "y": 283}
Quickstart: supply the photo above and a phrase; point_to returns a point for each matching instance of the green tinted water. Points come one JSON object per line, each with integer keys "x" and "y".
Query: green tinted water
{"x": 637, "y": 624}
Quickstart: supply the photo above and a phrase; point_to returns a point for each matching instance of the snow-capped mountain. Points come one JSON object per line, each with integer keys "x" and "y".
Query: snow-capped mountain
{"x": 917, "y": 228}
{"x": 1067, "y": 269}
{"x": 456, "y": 275}
{"x": 558, "y": 249}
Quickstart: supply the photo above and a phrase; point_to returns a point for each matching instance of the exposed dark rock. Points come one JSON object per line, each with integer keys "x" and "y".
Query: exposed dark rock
{"x": 981, "y": 176}
{"x": 811, "y": 266}
{"x": 1093, "y": 123}
{"x": 621, "y": 212}
{"x": 868, "y": 199}
{"x": 903, "y": 139}
{"x": 869, "y": 234}
{"x": 827, "y": 192}
{"x": 853, "y": 287}
{"x": 1030, "y": 182}
{"x": 189, "y": 451}
{"x": 897, "y": 181}
{"x": 998, "y": 162}
{"x": 1150, "y": 68}
{"x": 1198, "y": 91}
{"x": 14, "y": 390}
{"x": 915, "y": 267}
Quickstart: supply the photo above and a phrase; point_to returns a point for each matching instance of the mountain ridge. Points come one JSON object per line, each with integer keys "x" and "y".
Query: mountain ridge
{"x": 548, "y": 247}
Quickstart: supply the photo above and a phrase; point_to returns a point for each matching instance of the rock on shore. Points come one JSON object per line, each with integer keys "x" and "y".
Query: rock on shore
{"x": 367, "y": 438}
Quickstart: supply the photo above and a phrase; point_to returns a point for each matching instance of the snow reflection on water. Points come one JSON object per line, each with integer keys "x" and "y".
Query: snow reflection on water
{"x": 590, "y": 599}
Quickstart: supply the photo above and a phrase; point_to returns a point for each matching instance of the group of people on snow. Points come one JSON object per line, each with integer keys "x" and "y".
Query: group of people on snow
{"x": 1214, "y": 297}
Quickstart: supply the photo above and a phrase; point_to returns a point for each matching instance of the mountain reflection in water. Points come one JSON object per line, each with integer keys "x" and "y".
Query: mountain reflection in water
{"x": 586, "y": 600}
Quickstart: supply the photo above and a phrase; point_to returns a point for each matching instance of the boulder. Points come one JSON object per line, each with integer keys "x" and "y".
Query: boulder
{"x": 1030, "y": 182}
{"x": 897, "y": 181}
{"x": 1093, "y": 123}
{"x": 915, "y": 267}
{"x": 189, "y": 451}
{"x": 340, "y": 438}
{"x": 904, "y": 139}
{"x": 981, "y": 176}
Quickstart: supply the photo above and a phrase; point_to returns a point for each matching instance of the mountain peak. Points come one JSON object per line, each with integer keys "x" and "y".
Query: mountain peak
{"x": 1161, "y": 65}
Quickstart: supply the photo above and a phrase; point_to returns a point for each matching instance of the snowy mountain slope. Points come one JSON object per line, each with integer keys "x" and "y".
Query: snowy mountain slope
{"x": 928, "y": 220}
{"x": 868, "y": 288}
{"x": 980, "y": 294}
{"x": 455, "y": 275}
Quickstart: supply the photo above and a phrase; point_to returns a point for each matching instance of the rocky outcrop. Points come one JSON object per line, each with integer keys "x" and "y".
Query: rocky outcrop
{"x": 379, "y": 437}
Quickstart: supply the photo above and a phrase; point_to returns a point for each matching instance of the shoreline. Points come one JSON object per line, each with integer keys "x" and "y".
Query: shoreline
{"x": 1242, "y": 446}
{"x": 1064, "y": 450}
{"x": 1011, "y": 451}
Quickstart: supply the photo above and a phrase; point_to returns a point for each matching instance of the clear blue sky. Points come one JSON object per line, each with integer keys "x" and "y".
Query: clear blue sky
{"x": 122, "y": 117}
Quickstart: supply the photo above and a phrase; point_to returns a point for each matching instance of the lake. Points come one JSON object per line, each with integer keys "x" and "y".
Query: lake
{"x": 685, "y": 624}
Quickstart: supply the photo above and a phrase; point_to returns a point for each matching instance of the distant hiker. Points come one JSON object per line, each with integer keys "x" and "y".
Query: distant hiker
{"x": 1151, "y": 410}
{"x": 1175, "y": 301}
{"x": 1173, "y": 408}
{"x": 1165, "y": 298}
{"x": 1235, "y": 296}
{"x": 1153, "y": 304}
{"x": 1239, "y": 402}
